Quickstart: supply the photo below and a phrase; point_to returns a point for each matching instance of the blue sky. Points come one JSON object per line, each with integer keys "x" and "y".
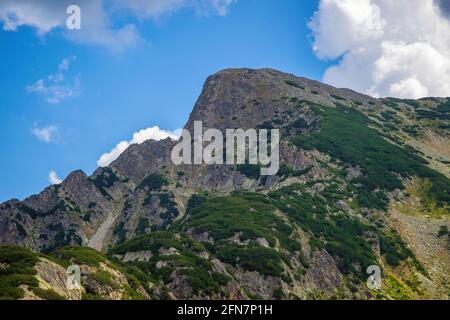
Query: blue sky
{"x": 69, "y": 98}
{"x": 155, "y": 82}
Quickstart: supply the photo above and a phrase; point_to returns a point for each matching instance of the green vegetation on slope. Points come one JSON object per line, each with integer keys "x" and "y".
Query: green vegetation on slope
{"x": 171, "y": 252}
{"x": 237, "y": 225}
{"x": 343, "y": 237}
{"x": 77, "y": 255}
{"x": 16, "y": 268}
{"x": 153, "y": 182}
{"x": 345, "y": 135}
{"x": 105, "y": 180}
{"x": 248, "y": 215}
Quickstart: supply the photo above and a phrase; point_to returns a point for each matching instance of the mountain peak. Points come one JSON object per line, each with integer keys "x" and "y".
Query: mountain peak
{"x": 245, "y": 98}
{"x": 352, "y": 168}
{"x": 75, "y": 176}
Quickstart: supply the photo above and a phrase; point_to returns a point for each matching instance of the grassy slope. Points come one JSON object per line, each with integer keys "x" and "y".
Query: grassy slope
{"x": 345, "y": 134}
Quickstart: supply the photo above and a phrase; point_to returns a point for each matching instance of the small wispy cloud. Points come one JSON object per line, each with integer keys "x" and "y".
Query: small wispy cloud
{"x": 158, "y": 8}
{"x": 222, "y": 7}
{"x": 55, "y": 88}
{"x": 65, "y": 63}
{"x": 53, "y": 178}
{"x": 45, "y": 134}
{"x": 153, "y": 133}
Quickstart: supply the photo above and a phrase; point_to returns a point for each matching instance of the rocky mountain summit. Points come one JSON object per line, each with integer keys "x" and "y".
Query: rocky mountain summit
{"x": 362, "y": 182}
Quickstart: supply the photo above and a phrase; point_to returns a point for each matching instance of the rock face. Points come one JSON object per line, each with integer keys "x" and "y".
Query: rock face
{"x": 328, "y": 199}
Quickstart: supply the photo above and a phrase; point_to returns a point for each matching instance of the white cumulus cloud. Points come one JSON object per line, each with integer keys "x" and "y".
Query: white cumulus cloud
{"x": 46, "y": 15}
{"x": 42, "y": 15}
{"x": 55, "y": 88}
{"x": 153, "y": 133}
{"x": 53, "y": 178}
{"x": 45, "y": 134}
{"x": 98, "y": 26}
{"x": 383, "y": 48}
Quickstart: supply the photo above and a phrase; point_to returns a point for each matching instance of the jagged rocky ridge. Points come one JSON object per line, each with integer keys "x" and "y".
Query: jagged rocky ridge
{"x": 363, "y": 182}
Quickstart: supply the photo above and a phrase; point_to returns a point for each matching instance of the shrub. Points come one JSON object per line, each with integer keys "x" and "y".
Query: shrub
{"x": 443, "y": 230}
{"x": 285, "y": 171}
{"x": 153, "y": 182}
{"x": 166, "y": 201}
{"x": 394, "y": 249}
{"x": 104, "y": 180}
{"x": 17, "y": 269}
{"x": 278, "y": 293}
{"x": 300, "y": 124}
{"x": 28, "y": 210}
{"x": 252, "y": 171}
{"x": 79, "y": 255}
{"x": 335, "y": 96}
{"x": 142, "y": 225}
{"x": 293, "y": 84}
{"x": 194, "y": 201}
{"x": 47, "y": 294}
{"x": 444, "y": 107}
{"x": 120, "y": 231}
{"x": 104, "y": 278}
{"x": 266, "y": 261}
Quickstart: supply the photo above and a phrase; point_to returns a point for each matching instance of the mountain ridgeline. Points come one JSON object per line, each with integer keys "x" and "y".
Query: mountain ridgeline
{"x": 362, "y": 182}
